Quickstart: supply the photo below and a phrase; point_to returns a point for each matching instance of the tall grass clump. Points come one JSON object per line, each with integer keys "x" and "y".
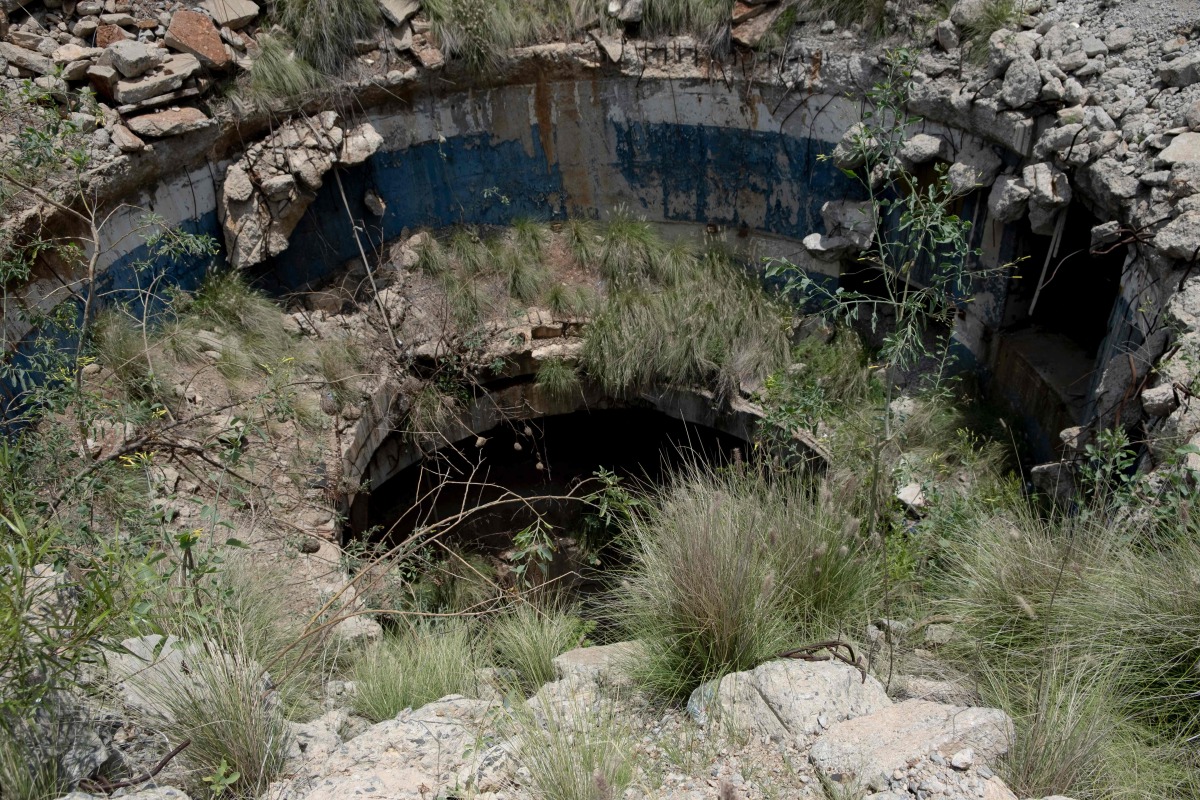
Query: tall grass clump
{"x": 715, "y": 327}
{"x": 728, "y": 570}
{"x": 325, "y": 31}
{"x": 413, "y": 668}
{"x": 120, "y": 347}
{"x": 557, "y": 378}
{"x": 477, "y": 32}
{"x": 567, "y": 301}
{"x": 707, "y": 20}
{"x": 279, "y": 75}
{"x": 630, "y": 251}
{"x": 574, "y": 753}
{"x": 1084, "y": 629}
{"x": 225, "y": 707}
{"x": 527, "y": 639}
{"x": 227, "y": 304}
{"x": 584, "y": 239}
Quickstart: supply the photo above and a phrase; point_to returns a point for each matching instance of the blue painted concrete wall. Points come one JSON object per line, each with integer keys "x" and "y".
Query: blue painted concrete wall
{"x": 676, "y": 173}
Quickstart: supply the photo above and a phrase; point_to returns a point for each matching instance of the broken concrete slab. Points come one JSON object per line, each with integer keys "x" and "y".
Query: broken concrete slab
{"x": 233, "y": 14}
{"x": 26, "y": 59}
{"x": 145, "y": 87}
{"x": 194, "y": 33}
{"x": 170, "y": 123}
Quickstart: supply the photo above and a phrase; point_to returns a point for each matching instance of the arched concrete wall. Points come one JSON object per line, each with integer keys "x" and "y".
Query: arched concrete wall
{"x": 379, "y": 449}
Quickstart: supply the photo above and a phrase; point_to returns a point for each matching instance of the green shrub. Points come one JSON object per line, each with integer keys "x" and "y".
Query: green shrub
{"x": 324, "y": 31}
{"x": 414, "y": 668}
{"x": 527, "y": 640}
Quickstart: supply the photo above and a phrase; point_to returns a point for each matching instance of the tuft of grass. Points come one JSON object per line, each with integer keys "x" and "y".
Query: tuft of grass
{"x": 340, "y": 362}
{"x": 119, "y": 346}
{"x": 415, "y": 668}
{"x": 324, "y": 31}
{"x": 583, "y": 236}
{"x": 996, "y": 15}
{"x": 29, "y": 771}
{"x": 706, "y": 20}
{"x": 717, "y": 327}
{"x": 465, "y": 299}
{"x": 527, "y": 640}
{"x": 574, "y": 753}
{"x": 871, "y": 14}
{"x": 727, "y": 569}
{"x": 471, "y": 251}
{"x": 432, "y": 258}
{"x": 570, "y": 301}
{"x": 630, "y": 250}
{"x": 477, "y": 32}
{"x": 524, "y": 275}
{"x": 226, "y": 303}
{"x": 226, "y": 709}
{"x": 279, "y": 75}
{"x": 432, "y": 411}
{"x": 530, "y": 237}
{"x": 557, "y": 378}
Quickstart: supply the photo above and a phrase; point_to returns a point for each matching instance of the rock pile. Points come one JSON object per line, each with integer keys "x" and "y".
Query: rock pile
{"x": 267, "y": 191}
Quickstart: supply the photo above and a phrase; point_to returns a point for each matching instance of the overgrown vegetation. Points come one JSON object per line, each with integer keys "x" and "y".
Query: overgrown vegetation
{"x": 279, "y": 75}
{"x": 729, "y": 570}
{"x": 415, "y": 667}
{"x": 676, "y": 317}
{"x": 325, "y": 32}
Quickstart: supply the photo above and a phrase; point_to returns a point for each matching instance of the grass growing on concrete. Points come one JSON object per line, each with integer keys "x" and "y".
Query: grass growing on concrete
{"x": 713, "y": 326}
{"x": 416, "y": 667}
{"x": 558, "y": 378}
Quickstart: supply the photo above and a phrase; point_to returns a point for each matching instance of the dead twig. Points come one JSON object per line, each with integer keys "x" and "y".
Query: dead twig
{"x": 832, "y": 650}
{"x": 102, "y": 784}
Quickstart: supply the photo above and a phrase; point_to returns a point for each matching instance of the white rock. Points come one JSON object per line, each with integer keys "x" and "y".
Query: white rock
{"x": 859, "y": 751}
{"x": 786, "y": 697}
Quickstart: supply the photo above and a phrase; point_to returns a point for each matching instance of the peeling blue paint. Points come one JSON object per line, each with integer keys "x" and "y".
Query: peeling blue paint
{"x": 699, "y": 173}
{"x": 466, "y": 179}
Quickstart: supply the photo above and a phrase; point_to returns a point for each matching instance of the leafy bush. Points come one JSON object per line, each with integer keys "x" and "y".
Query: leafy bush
{"x": 414, "y": 668}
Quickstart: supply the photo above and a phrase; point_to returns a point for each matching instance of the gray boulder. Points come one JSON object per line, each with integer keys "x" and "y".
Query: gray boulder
{"x": 1009, "y": 199}
{"x": 867, "y": 750}
{"x": 1182, "y": 71}
{"x": 788, "y": 698}
{"x": 1022, "y": 82}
